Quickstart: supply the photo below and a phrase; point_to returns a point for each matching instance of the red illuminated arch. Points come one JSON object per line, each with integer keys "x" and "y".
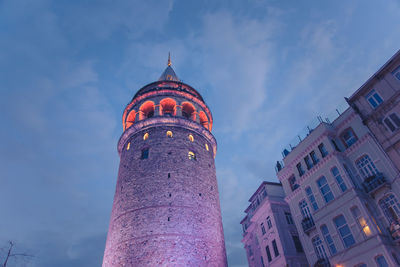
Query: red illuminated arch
{"x": 188, "y": 111}
{"x": 146, "y": 110}
{"x": 168, "y": 107}
{"x": 203, "y": 119}
{"x": 131, "y": 118}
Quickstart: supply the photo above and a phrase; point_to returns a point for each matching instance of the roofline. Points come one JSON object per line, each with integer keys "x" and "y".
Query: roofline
{"x": 261, "y": 185}
{"x": 397, "y": 54}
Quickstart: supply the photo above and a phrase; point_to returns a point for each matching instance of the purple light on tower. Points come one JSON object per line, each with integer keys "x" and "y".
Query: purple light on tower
{"x": 166, "y": 208}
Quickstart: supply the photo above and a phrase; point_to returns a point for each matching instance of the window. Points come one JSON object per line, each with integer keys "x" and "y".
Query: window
{"x": 396, "y": 259}
{"x": 362, "y": 223}
{"x": 276, "y": 251}
{"x": 344, "y": 231}
{"x": 300, "y": 169}
{"x": 269, "y": 223}
{"x": 305, "y": 211}
{"x": 145, "y": 153}
{"x": 328, "y": 239}
{"x": 374, "y": 99}
{"x": 188, "y": 111}
{"x": 311, "y": 197}
{"x": 128, "y": 146}
{"x": 289, "y": 218}
{"x": 348, "y": 137}
{"x": 268, "y": 253}
{"x": 339, "y": 179}
{"x": 169, "y": 133}
{"x": 297, "y": 244}
{"x": 323, "y": 150}
{"x": 335, "y": 145}
{"x": 292, "y": 183}
{"x": 381, "y": 261}
{"x": 191, "y": 139}
{"x": 366, "y": 166}
{"x": 308, "y": 162}
{"x": 262, "y": 262}
{"x": 396, "y": 73}
{"x": 390, "y": 207}
{"x": 319, "y": 247}
{"x": 361, "y": 265}
{"x": 191, "y": 155}
{"x": 325, "y": 189}
{"x": 392, "y": 122}
{"x": 207, "y": 147}
{"x": 314, "y": 157}
{"x": 262, "y": 228}
{"x": 145, "y": 136}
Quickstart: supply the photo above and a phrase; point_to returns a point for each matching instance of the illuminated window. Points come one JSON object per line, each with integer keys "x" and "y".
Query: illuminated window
{"x": 169, "y": 133}
{"x": 191, "y": 155}
{"x": 188, "y": 111}
{"x": 168, "y": 107}
{"x": 207, "y": 147}
{"x": 128, "y": 146}
{"x": 145, "y": 136}
{"x": 362, "y": 223}
{"x": 191, "y": 138}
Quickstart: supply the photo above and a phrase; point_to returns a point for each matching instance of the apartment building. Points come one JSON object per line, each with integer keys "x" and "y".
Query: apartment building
{"x": 269, "y": 233}
{"x": 341, "y": 190}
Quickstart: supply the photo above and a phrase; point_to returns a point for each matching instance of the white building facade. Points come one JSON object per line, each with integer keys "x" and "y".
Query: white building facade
{"x": 269, "y": 233}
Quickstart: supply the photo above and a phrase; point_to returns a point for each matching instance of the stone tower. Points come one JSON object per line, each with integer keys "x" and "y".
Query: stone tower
{"x": 166, "y": 208}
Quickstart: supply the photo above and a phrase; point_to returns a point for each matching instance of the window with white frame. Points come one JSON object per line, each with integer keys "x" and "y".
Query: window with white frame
{"x": 339, "y": 179}
{"x": 311, "y": 197}
{"x": 392, "y": 122}
{"x": 325, "y": 189}
{"x": 305, "y": 211}
{"x": 374, "y": 99}
{"x": 396, "y": 73}
{"x": 362, "y": 223}
{"x": 269, "y": 223}
{"x": 381, "y": 261}
{"x": 348, "y": 137}
{"x": 390, "y": 207}
{"x": 319, "y": 247}
{"x": 344, "y": 231}
{"x": 366, "y": 167}
{"x": 289, "y": 218}
{"x": 328, "y": 239}
{"x": 263, "y": 228}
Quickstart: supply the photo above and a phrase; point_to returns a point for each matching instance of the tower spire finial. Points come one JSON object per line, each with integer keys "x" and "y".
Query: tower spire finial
{"x": 169, "y": 59}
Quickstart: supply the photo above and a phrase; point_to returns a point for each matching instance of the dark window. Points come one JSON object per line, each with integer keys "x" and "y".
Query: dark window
{"x": 311, "y": 197}
{"x": 262, "y": 262}
{"x": 292, "y": 183}
{"x": 300, "y": 169}
{"x": 297, "y": 243}
{"x": 392, "y": 122}
{"x": 314, "y": 157}
{"x": 325, "y": 189}
{"x": 269, "y": 223}
{"x": 276, "y": 251}
{"x": 308, "y": 162}
{"x": 289, "y": 218}
{"x": 323, "y": 150}
{"x": 348, "y": 137}
{"x": 145, "y": 153}
{"x": 396, "y": 73}
{"x": 335, "y": 145}
{"x": 262, "y": 228}
{"x": 268, "y": 253}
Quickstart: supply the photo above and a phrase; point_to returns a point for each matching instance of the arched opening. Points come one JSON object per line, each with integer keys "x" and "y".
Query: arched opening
{"x": 188, "y": 111}
{"x": 191, "y": 138}
{"x": 203, "y": 119}
{"x": 168, "y": 107}
{"x": 146, "y": 110}
{"x": 169, "y": 133}
{"x": 130, "y": 119}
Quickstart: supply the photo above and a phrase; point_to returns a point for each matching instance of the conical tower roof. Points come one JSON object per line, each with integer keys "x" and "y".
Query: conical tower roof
{"x": 169, "y": 73}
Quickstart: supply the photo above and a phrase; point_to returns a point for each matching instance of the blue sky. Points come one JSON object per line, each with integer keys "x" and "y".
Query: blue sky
{"x": 68, "y": 68}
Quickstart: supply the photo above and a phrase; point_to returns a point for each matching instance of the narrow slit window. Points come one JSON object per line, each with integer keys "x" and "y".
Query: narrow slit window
{"x": 191, "y": 155}
{"x": 145, "y": 153}
{"x": 128, "y": 146}
{"x": 145, "y": 136}
{"x": 191, "y": 138}
{"x": 169, "y": 134}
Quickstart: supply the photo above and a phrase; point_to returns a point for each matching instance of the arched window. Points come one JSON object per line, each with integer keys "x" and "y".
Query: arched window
{"x": 390, "y": 207}
{"x": 130, "y": 119}
{"x": 191, "y": 138}
{"x": 145, "y": 136}
{"x": 191, "y": 155}
{"x": 168, "y": 107}
{"x": 188, "y": 111}
{"x": 169, "y": 133}
{"x": 366, "y": 166}
{"x": 146, "y": 110}
{"x": 203, "y": 119}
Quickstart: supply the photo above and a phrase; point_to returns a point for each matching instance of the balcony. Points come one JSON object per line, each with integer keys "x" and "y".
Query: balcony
{"x": 308, "y": 225}
{"x": 322, "y": 263}
{"x": 373, "y": 183}
{"x": 394, "y": 231}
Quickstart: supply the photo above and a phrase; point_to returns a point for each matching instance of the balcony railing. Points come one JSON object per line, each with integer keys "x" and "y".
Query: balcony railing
{"x": 308, "y": 225}
{"x": 322, "y": 263}
{"x": 374, "y": 182}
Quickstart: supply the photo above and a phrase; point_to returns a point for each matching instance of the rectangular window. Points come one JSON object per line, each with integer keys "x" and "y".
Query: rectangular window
{"x": 262, "y": 228}
{"x": 325, "y": 189}
{"x": 308, "y": 162}
{"x": 339, "y": 179}
{"x": 319, "y": 247}
{"x": 268, "y": 253}
{"x": 381, "y": 261}
{"x": 344, "y": 231}
{"x": 145, "y": 153}
{"x": 305, "y": 211}
{"x": 396, "y": 73}
{"x": 314, "y": 157}
{"x": 292, "y": 183}
{"x": 362, "y": 223}
{"x": 276, "y": 251}
{"x": 323, "y": 150}
{"x": 392, "y": 122}
{"x": 269, "y": 223}
{"x": 348, "y": 137}
{"x": 366, "y": 166}
{"x": 328, "y": 239}
{"x": 311, "y": 197}
{"x": 300, "y": 169}
{"x": 262, "y": 262}
{"x": 374, "y": 99}
{"x": 297, "y": 244}
{"x": 289, "y": 218}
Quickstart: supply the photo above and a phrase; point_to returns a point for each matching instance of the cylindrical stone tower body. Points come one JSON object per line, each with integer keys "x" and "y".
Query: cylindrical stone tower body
{"x": 166, "y": 208}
